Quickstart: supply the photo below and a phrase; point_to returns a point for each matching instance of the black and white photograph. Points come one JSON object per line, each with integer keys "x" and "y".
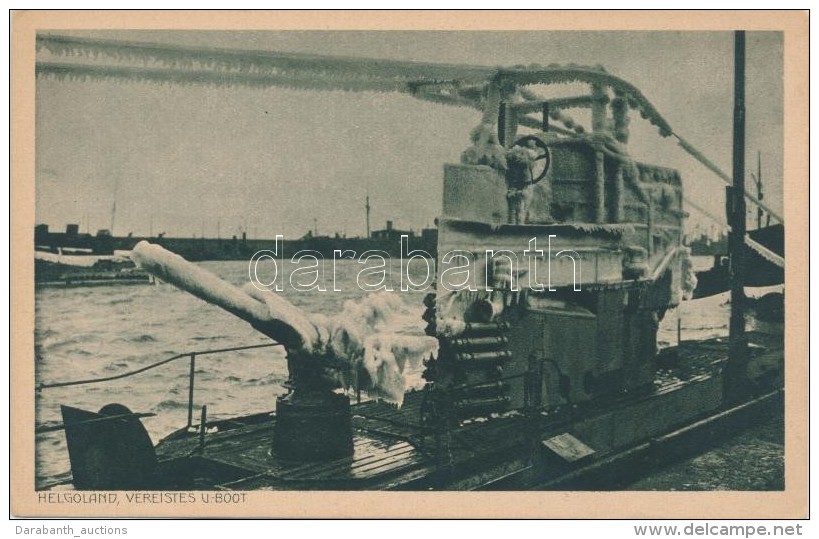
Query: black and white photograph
{"x": 416, "y": 260}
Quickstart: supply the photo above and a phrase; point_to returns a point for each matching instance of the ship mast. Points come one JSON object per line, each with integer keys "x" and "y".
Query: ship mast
{"x": 735, "y": 376}
{"x": 114, "y": 205}
{"x": 367, "y": 208}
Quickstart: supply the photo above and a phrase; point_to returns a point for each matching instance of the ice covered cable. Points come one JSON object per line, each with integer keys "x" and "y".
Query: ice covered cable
{"x": 361, "y": 336}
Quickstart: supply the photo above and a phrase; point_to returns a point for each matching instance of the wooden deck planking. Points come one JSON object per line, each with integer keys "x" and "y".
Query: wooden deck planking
{"x": 384, "y": 463}
{"x": 252, "y": 451}
{"x": 378, "y": 456}
{"x": 347, "y": 464}
{"x": 379, "y": 466}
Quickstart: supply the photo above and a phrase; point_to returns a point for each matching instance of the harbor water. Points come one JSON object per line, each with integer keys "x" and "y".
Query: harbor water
{"x": 85, "y": 333}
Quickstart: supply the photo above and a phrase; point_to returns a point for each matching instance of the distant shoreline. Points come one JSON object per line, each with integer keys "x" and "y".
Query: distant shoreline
{"x": 234, "y": 248}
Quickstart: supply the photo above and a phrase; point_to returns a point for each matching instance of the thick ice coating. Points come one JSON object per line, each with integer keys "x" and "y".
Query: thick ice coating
{"x": 366, "y": 332}
{"x": 363, "y": 334}
{"x": 279, "y": 320}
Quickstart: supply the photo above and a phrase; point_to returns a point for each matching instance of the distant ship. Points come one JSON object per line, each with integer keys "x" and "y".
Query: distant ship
{"x": 64, "y": 265}
{"x": 765, "y": 263}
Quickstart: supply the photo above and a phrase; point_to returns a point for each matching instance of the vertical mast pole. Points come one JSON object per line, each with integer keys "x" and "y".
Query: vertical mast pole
{"x": 735, "y": 378}
{"x": 759, "y": 194}
{"x": 367, "y": 207}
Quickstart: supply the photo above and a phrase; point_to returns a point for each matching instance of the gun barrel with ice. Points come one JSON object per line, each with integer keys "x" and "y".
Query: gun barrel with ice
{"x": 361, "y": 337}
{"x": 268, "y": 313}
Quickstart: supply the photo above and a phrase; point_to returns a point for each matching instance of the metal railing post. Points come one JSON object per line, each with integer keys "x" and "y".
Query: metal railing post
{"x": 202, "y": 429}
{"x": 190, "y": 389}
{"x": 358, "y": 386}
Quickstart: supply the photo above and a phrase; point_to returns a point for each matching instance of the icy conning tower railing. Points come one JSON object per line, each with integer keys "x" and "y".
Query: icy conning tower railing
{"x": 511, "y": 103}
{"x": 191, "y": 378}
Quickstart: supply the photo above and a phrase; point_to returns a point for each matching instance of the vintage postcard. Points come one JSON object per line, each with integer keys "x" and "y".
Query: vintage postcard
{"x": 409, "y": 264}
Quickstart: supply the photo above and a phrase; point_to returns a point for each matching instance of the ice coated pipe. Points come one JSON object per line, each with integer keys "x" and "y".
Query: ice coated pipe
{"x": 266, "y": 312}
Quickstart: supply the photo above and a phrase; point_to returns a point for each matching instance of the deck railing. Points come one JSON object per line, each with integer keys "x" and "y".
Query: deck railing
{"x": 191, "y": 378}
{"x": 532, "y": 384}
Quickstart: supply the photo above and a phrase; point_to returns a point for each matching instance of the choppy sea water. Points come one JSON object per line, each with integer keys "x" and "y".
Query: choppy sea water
{"x": 83, "y": 333}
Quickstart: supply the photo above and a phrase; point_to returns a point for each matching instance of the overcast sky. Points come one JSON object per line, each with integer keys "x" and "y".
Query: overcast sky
{"x": 178, "y": 159}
